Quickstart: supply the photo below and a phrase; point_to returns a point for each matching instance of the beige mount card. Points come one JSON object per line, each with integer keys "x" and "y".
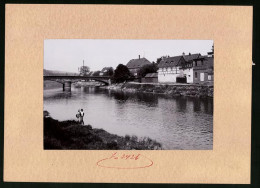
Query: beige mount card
{"x": 27, "y": 26}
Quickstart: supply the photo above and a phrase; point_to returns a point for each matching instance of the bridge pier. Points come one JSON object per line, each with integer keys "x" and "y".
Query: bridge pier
{"x": 67, "y": 86}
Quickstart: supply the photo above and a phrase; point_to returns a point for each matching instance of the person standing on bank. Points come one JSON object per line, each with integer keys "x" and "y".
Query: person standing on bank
{"x": 81, "y": 115}
{"x": 77, "y": 115}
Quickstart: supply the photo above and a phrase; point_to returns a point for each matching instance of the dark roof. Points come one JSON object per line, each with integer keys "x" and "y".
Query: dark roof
{"x": 174, "y": 61}
{"x": 151, "y": 75}
{"x": 191, "y": 57}
{"x": 170, "y": 61}
{"x": 137, "y": 63}
{"x": 207, "y": 63}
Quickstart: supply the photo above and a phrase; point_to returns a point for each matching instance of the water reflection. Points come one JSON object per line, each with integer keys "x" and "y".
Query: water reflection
{"x": 176, "y": 122}
{"x": 149, "y": 99}
{"x": 121, "y": 97}
{"x": 181, "y": 104}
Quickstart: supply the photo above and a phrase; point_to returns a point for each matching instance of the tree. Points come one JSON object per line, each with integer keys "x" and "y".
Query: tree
{"x": 122, "y": 73}
{"x": 84, "y": 70}
{"x": 158, "y": 60}
{"x": 96, "y": 73}
{"x": 151, "y": 68}
{"x": 110, "y": 71}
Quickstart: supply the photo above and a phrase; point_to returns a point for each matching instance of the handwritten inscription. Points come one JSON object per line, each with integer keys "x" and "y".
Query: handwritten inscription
{"x": 124, "y": 156}
{"x": 121, "y": 160}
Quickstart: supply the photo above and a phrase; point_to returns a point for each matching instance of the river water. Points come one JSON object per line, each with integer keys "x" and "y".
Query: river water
{"x": 177, "y": 123}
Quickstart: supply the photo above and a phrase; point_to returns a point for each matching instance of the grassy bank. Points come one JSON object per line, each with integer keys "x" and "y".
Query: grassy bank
{"x": 70, "y": 135}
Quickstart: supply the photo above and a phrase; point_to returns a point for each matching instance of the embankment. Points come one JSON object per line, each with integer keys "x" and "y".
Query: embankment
{"x": 191, "y": 90}
{"x": 71, "y": 135}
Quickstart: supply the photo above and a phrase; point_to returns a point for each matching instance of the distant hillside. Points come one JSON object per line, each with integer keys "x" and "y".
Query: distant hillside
{"x": 47, "y": 84}
{"x": 58, "y": 73}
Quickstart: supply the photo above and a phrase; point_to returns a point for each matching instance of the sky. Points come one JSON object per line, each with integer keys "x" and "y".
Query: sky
{"x": 68, "y": 54}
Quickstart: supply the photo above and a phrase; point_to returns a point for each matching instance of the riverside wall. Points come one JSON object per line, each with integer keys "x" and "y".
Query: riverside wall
{"x": 191, "y": 90}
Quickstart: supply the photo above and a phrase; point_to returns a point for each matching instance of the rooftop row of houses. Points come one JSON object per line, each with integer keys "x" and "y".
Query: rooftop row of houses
{"x": 191, "y": 68}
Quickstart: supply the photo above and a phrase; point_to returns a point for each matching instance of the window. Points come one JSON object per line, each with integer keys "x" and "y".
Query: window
{"x": 209, "y": 77}
{"x": 196, "y": 75}
{"x": 202, "y": 75}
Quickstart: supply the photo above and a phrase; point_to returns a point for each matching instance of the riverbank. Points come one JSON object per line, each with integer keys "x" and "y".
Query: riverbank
{"x": 86, "y": 84}
{"x": 70, "y": 135}
{"x": 191, "y": 90}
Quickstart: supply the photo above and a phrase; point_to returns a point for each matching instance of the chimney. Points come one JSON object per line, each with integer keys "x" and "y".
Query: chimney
{"x": 189, "y": 53}
{"x": 183, "y": 54}
{"x": 139, "y": 56}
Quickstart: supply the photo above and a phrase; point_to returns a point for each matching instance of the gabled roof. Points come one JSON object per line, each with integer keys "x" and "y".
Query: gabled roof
{"x": 137, "y": 63}
{"x": 170, "y": 61}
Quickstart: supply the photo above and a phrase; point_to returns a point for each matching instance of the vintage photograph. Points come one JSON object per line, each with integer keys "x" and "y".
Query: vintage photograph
{"x": 128, "y": 94}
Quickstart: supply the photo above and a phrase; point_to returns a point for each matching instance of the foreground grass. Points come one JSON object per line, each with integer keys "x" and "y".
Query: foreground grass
{"x": 71, "y": 135}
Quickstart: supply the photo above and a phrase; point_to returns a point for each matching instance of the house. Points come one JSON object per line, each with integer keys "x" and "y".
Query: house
{"x": 177, "y": 69}
{"x": 203, "y": 68}
{"x": 170, "y": 68}
{"x": 188, "y": 66}
{"x": 134, "y": 65}
{"x": 191, "y": 68}
{"x": 210, "y": 68}
{"x": 150, "y": 78}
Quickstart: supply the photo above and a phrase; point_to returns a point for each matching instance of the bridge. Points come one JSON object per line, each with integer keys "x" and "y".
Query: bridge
{"x": 66, "y": 80}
